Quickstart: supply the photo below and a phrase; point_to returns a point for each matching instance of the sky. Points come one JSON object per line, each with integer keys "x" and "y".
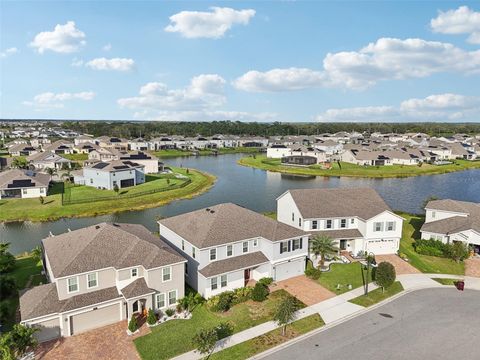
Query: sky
{"x": 295, "y": 61}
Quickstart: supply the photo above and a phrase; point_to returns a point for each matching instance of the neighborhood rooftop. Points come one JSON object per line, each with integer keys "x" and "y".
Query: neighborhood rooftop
{"x": 470, "y": 218}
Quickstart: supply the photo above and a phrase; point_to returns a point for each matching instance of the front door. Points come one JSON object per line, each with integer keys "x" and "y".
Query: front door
{"x": 343, "y": 244}
{"x": 246, "y": 276}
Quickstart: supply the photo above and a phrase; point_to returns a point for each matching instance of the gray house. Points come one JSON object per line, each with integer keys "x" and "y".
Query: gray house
{"x": 100, "y": 275}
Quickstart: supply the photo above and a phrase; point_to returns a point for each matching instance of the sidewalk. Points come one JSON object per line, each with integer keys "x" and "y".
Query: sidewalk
{"x": 337, "y": 308}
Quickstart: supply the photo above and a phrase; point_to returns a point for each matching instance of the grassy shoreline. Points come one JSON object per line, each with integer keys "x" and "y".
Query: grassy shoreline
{"x": 205, "y": 152}
{"x": 32, "y": 210}
{"x": 352, "y": 170}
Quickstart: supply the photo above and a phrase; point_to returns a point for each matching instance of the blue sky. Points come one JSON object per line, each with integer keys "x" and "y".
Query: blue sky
{"x": 251, "y": 61}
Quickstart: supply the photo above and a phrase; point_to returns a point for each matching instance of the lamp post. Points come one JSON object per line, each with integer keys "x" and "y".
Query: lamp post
{"x": 370, "y": 256}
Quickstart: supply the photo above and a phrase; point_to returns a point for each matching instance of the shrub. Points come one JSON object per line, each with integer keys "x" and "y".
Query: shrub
{"x": 18, "y": 341}
{"x": 151, "y": 317}
{"x": 432, "y": 247}
{"x": 133, "y": 325}
{"x": 385, "y": 275}
{"x": 266, "y": 281}
{"x": 259, "y": 292}
{"x": 4, "y": 311}
{"x": 224, "y": 329}
{"x": 313, "y": 273}
{"x": 205, "y": 340}
{"x": 241, "y": 295}
{"x": 429, "y": 250}
{"x": 459, "y": 251}
{"x": 8, "y": 286}
{"x": 179, "y": 308}
{"x": 169, "y": 312}
{"x": 7, "y": 260}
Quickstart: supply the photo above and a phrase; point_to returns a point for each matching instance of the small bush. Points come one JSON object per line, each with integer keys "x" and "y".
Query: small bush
{"x": 133, "y": 325}
{"x": 266, "y": 281}
{"x": 151, "y": 317}
{"x": 8, "y": 286}
{"x": 313, "y": 273}
{"x": 241, "y": 295}
{"x": 429, "y": 250}
{"x": 224, "y": 329}
{"x": 259, "y": 292}
{"x": 221, "y": 302}
{"x": 459, "y": 251}
{"x": 169, "y": 312}
{"x": 179, "y": 308}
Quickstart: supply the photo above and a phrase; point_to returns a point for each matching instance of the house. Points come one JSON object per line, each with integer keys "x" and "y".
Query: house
{"x": 104, "y": 154}
{"x": 452, "y": 220}
{"x": 366, "y": 157}
{"x": 22, "y": 150}
{"x": 138, "y": 145}
{"x": 227, "y": 246}
{"x": 112, "y": 143}
{"x": 60, "y": 147}
{"x": 44, "y": 160}
{"x": 151, "y": 162}
{"x": 103, "y": 175}
{"x": 100, "y": 275}
{"x": 85, "y": 147}
{"x": 83, "y": 139}
{"x": 278, "y": 151}
{"x": 358, "y": 219}
{"x": 23, "y": 184}
{"x": 301, "y": 155}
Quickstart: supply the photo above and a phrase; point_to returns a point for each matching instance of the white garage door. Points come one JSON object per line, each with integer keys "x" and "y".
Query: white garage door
{"x": 382, "y": 246}
{"x": 48, "y": 330}
{"x": 94, "y": 319}
{"x": 289, "y": 269}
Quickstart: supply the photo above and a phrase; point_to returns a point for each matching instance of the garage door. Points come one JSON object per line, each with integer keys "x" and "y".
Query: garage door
{"x": 289, "y": 269}
{"x": 48, "y": 330}
{"x": 93, "y": 319}
{"x": 382, "y": 246}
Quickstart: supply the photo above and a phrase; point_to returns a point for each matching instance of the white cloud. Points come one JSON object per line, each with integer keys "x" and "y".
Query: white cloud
{"x": 214, "y": 24}
{"x": 385, "y": 59}
{"x": 441, "y": 107}
{"x": 50, "y": 100}
{"x": 114, "y": 64}
{"x": 8, "y": 52}
{"x": 77, "y": 62}
{"x": 63, "y": 39}
{"x": 107, "y": 47}
{"x": 460, "y": 21}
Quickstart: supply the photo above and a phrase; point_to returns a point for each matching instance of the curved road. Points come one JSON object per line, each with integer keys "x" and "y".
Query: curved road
{"x": 428, "y": 324}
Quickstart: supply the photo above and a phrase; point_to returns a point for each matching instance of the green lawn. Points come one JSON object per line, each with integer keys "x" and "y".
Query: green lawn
{"x": 269, "y": 340}
{"x": 424, "y": 263}
{"x": 175, "y": 336}
{"x": 271, "y": 214}
{"x": 352, "y": 170}
{"x": 76, "y": 157}
{"x": 343, "y": 274}
{"x": 445, "y": 281}
{"x": 375, "y": 296}
{"x": 33, "y": 210}
{"x": 221, "y": 151}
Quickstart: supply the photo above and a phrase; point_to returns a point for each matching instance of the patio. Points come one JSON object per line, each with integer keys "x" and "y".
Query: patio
{"x": 306, "y": 290}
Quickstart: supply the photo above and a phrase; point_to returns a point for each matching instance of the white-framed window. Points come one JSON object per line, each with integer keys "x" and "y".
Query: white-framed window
{"x": 328, "y": 224}
{"x": 160, "y": 301}
{"x": 293, "y": 216}
{"x": 433, "y": 214}
{"x": 283, "y": 247}
{"x": 92, "y": 280}
{"x": 343, "y": 223}
{"x": 229, "y": 250}
{"x": 296, "y": 244}
{"x": 245, "y": 247}
{"x": 183, "y": 245}
{"x": 314, "y": 224}
{"x": 390, "y": 225}
{"x": 223, "y": 281}
{"x": 25, "y": 191}
{"x": 378, "y": 226}
{"x": 167, "y": 273}
{"x": 172, "y": 297}
{"x": 72, "y": 284}
{"x": 134, "y": 272}
{"x": 213, "y": 254}
{"x": 213, "y": 283}
{"x": 352, "y": 221}
{"x": 255, "y": 242}
{"x": 299, "y": 221}
{"x": 193, "y": 252}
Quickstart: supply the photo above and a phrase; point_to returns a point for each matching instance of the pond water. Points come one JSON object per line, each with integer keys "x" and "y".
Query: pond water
{"x": 257, "y": 190}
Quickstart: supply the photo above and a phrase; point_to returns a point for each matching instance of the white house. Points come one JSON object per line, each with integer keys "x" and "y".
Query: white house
{"x": 44, "y": 160}
{"x": 356, "y": 218}
{"x": 23, "y": 184}
{"x": 151, "y": 162}
{"x": 278, "y": 151}
{"x": 227, "y": 245}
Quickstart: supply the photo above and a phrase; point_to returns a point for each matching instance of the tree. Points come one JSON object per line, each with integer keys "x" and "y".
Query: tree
{"x": 8, "y": 286}
{"x": 260, "y": 292}
{"x": 116, "y": 189}
{"x": 19, "y": 340}
{"x": 67, "y": 174}
{"x": 7, "y": 260}
{"x": 51, "y": 172}
{"x": 20, "y": 163}
{"x": 385, "y": 275}
{"x": 286, "y": 312}
{"x": 205, "y": 340}
{"x": 151, "y": 317}
{"x": 322, "y": 245}
{"x": 132, "y": 324}
{"x": 459, "y": 251}
{"x": 37, "y": 253}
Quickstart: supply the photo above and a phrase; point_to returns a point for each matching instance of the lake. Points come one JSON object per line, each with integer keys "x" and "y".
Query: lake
{"x": 256, "y": 190}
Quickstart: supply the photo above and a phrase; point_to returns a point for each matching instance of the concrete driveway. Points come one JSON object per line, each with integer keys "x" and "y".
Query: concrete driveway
{"x": 306, "y": 290}
{"x": 472, "y": 267}
{"x": 401, "y": 266}
{"x": 435, "y": 323}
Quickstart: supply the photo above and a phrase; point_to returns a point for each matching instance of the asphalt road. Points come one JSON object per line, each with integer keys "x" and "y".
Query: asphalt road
{"x": 428, "y": 324}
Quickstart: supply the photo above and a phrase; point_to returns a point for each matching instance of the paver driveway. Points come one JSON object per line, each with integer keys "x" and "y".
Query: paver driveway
{"x": 109, "y": 342}
{"x": 401, "y": 266}
{"x": 472, "y": 267}
{"x": 306, "y": 290}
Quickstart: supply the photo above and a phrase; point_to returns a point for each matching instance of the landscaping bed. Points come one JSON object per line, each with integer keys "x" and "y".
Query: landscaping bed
{"x": 377, "y": 295}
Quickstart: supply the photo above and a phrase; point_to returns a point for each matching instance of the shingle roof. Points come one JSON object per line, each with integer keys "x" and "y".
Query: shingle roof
{"x": 226, "y": 223}
{"x": 456, "y": 223}
{"x": 454, "y": 206}
{"x": 115, "y": 165}
{"x": 340, "y": 202}
{"x": 136, "y": 288}
{"x": 47, "y": 156}
{"x": 340, "y": 234}
{"x": 234, "y": 263}
{"x": 107, "y": 245}
{"x": 38, "y": 179}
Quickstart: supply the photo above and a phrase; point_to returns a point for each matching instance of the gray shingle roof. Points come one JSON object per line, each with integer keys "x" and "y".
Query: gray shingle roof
{"x": 226, "y": 223}
{"x": 456, "y": 223}
{"x": 340, "y": 202}
{"x": 39, "y": 179}
{"x": 107, "y": 245}
{"x": 234, "y": 263}
{"x": 340, "y": 234}
{"x": 136, "y": 288}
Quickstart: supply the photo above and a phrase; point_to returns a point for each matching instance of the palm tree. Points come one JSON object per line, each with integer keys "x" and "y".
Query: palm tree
{"x": 322, "y": 245}
{"x": 67, "y": 174}
{"x": 51, "y": 172}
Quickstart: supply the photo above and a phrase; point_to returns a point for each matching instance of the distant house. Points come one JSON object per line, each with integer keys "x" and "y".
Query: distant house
{"x": 366, "y": 157}
{"x": 83, "y": 139}
{"x": 151, "y": 162}
{"x": 44, "y": 160}
{"x": 278, "y": 151}
{"x": 104, "y": 154}
{"x": 85, "y": 147}
{"x": 107, "y": 175}
{"x": 301, "y": 155}
{"x": 112, "y": 143}
{"x": 22, "y": 150}
{"x": 23, "y": 184}
{"x": 60, "y": 147}
{"x": 138, "y": 145}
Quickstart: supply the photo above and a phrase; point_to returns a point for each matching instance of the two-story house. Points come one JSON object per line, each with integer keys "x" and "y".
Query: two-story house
{"x": 452, "y": 220}
{"x": 227, "y": 245}
{"x": 100, "y": 275}
{"x": 118, "y": 173}
{"x": 358, "y": 219}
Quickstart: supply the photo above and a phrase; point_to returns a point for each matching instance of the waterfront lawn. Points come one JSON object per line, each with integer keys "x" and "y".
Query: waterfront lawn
{"x": 75, "y": 157}
{"x": 446, "y": 281}
{"x": 343, "y": 274}
{"x": 377, "y": 295}
{"x": 352, "y": 170}
{"x": 33, "y": 210}
{"x": 424, "y": 263}
{"x": 221, "y": 151}
{"x": 269, "y": 340}
{"x": 174, "y": 337}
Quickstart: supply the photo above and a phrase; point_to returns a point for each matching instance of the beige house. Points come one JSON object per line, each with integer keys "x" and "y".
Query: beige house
{"x": 100, "y": 275}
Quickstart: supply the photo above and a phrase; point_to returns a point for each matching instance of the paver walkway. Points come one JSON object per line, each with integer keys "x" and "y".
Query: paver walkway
{"x": 304, "y": 289}
{"x": 401, "y": 266}
{"x": 472, "y": 267}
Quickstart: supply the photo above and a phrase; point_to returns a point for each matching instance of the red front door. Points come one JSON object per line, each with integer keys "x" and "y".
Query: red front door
{"x": 246, "y": 276}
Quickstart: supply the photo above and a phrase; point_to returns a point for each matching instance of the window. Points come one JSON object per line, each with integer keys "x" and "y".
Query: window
{"x": 72, "y": 284}
{"x": 245, "y": 246}
{"x": 167, "y": 273}
{"x": 25, "y": 191}
{"x": 91, "y": 181}
{"x": 343, "y": 223}
{"x": 255, "y": 242}
{"x": 92, "y": 280}
{"x": 328, "y": 224}
{"x": 229, "y": 250}
{"x": 183, "y": 245}
{"x": 352, "y": 221}
{"x": 213, "y": 283}
{"x": 433, "y": 214}
{"x": 193, "y": 252}
{"x": 223, "y": 281}
{"x": 296, "y": 244}
{"x": 172, "y": 297}
{"x": 390, "y": 225}
{"x": 378, "y": 226}
{"x": 283, "y": 247}
{"x": 213, "y": 254}
{"x": 134, "y": 272}
{"x": 314, "y": 224}
{"x": 299, "y": 221}
{"x": 160, "y": 301}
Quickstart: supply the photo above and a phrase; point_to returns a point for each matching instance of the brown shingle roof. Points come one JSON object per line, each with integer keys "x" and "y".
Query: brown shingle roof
{"x": 226, "y": 223}
{"x": 234, "y": 263}
{"x": 457, "y": 223}
{"x": 136, "y": 288}
{"x": 340, "y": 234}
{"x": 39, "y": 179}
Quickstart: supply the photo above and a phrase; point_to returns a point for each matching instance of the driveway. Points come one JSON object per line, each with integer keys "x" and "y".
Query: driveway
{"x": 472, "y": 267}
{"x": 401, "y": 266}
{"x": 109, "y": 342}
{"x": 306, "y": 290}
